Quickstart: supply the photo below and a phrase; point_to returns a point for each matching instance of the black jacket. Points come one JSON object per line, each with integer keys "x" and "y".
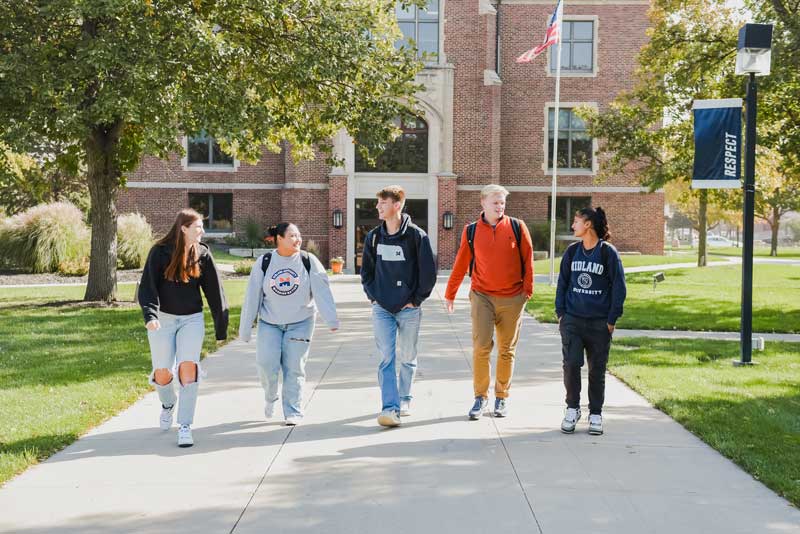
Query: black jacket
{"x": 399, "y": 268}
{"x": 178, "y": 298}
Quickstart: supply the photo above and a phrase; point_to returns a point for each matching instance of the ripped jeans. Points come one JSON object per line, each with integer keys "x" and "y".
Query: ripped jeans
{"x": 284, "y": 347}
{"x": 179, "y": 339}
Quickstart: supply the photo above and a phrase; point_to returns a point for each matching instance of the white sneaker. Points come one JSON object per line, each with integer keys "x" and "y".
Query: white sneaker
{"x": 595, "y": 424}
{"x": 165, "y": 421}
{"x": 571, "y": 418}
{"x": 293, "y": 420}
{"x": 185, "y": 436}
{"x": 269, "y": 410}
{"x": 389, "y": 418}
{"x": 405, "y": 408}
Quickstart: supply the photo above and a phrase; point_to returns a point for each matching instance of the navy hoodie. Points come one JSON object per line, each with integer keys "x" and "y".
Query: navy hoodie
{"x": 399, "y": 268}
{"x": 587, "y": 287}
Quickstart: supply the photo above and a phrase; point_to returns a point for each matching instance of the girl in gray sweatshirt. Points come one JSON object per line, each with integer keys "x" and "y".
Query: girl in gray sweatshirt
{"x": 286, "y": 288}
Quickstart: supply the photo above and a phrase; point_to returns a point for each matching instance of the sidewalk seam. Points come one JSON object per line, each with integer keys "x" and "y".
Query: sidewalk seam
{"x": 283, "y": 443}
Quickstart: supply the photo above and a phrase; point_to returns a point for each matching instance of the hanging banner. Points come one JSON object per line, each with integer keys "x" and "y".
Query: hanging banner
{"x": 717, "y": 144}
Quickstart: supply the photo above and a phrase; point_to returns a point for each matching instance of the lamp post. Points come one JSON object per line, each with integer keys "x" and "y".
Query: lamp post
{"x": 752, "y": 58}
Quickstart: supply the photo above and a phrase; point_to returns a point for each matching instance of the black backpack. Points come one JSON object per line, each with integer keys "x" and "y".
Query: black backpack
{"x": 268, "y": 258}
{"x": 515, "y": 227}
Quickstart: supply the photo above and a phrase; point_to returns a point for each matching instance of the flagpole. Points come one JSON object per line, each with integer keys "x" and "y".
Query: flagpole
{"x": 555, "y": 152}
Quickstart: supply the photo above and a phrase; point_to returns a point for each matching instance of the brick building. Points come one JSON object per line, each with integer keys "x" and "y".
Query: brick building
{"x": 483, "y": 119}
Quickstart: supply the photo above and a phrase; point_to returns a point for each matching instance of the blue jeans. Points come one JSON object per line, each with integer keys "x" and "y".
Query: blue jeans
{"x": 391, "y": 330}
{"x": 179, "y": 339}
{"x": 284, "y": 347}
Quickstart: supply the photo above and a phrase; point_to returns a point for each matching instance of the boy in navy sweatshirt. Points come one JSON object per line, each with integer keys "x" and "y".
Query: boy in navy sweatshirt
{"x": 589, "y": 300}
{"x": 398, "y": 273}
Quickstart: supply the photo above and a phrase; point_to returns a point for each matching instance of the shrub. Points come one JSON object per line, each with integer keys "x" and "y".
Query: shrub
{"x": 134, "y": 239}
{"x": 254, "y": 234}
{"x": 79, "y": 267}
{"x": 312, "y": 247}
{"x": 243, "y": 267}
{"x": 42, "y": 237}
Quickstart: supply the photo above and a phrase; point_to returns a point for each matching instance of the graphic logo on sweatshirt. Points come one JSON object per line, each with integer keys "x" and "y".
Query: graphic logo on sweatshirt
{"x": 390, "y": 252}
{"x": 585, "y": 280}
{"x": 284, "y": 282}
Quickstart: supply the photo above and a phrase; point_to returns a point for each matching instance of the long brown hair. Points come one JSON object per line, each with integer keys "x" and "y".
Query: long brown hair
{"x": 185, "y": 262}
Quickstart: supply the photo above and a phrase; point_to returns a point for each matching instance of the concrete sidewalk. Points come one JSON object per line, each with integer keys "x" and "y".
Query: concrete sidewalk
{"x": 438, "y": 473}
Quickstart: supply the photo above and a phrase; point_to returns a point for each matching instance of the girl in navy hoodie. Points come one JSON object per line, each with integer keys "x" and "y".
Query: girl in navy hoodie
{"x": 589, "y": 299}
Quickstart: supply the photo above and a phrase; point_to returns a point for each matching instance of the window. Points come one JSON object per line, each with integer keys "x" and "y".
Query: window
{"x": 204, "y": 150}
{"x": 407, "y": 153}
{"x": 420, "y": 28}
{"x": 574, "y": 143}
{"x": 216, "y": 208}
{"x": 565, "y": 211}
{"x": 577, "y": 48}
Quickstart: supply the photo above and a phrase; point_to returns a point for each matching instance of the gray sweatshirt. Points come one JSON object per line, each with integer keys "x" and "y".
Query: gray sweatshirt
{"x": 287, "y": 294}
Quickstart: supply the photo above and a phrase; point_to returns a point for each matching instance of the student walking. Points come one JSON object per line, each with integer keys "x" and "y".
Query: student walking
{"x": 398, "y": 273}
{"x": 589, "y": 300}
{"x": 498, "y": 253}
{"x": 178, "y": 266}
{"x": 285, "y": 289}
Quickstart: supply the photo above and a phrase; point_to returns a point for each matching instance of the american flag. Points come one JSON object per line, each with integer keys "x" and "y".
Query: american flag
{"x": 552, "y": 36}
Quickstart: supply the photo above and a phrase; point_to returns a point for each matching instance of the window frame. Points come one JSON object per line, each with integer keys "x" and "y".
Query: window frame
{"x": 405, "y": 131}
{"x": 415, "y": 20}
{"x": 567, "y": 171}
{"x": 216, "y": 167}
{"x": 568, "y": 73}
{"x": 569, "y": 213}
{"x": 208, "y": 221}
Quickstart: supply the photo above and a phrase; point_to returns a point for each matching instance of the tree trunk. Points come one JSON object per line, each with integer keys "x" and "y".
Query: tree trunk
{"x": 775, "y": 224}
{"x": 104, "y": 179}
{"x": 702, "y": 258}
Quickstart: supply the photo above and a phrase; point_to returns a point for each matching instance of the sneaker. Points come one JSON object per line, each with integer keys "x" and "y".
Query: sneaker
{"x": 389, "y": 418}
{"x": 165, "y": 421}
{"x": 595, "y": 424}
{"x": 185, "y": 436}
{"x": 405, "y": 408}
{"x": 293, "y": 420}
{"x": 478, "y": 408}
{"x": 571, "y": 418}
{"x": 500, "y": 407}
{"x": 269, "y": 410}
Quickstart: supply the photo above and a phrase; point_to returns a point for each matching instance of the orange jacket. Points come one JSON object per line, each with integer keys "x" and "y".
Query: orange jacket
{"x": 497, "y": 270}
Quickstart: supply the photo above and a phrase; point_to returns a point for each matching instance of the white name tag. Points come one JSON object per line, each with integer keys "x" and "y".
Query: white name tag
{"x": 391, "y": 252}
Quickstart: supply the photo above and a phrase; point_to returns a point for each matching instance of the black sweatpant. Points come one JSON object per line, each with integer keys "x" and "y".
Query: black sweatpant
{"x": 592, "y": 335}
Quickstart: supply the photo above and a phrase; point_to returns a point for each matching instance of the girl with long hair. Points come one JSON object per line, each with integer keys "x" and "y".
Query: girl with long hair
{"x": 285, "y": 290}
{"x": 589, "y": 300}
{"x": 177, "y": 268}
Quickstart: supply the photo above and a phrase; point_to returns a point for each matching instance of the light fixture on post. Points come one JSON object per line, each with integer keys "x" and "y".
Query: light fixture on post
{"x": 338, "y": 218}
{"x": 753, "y": 58}
{"x": 448, "y": 219}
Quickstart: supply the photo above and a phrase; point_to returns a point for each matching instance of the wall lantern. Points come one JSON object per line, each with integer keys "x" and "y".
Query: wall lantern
{"x": 338, "y": 218}
{"x": 448, "y": 220}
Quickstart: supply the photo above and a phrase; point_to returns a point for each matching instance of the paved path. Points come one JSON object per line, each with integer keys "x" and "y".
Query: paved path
{"x": 438, "y": 473}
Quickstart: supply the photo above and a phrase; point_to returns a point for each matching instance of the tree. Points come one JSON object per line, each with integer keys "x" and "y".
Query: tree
{"x": 30, "y": 179}
{"x": 777, "y": 192}
{"x": 112, "y": 80}
{"x": 648, "y": 130}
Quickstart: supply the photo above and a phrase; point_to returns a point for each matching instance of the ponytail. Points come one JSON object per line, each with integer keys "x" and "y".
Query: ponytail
{"x": 597, "y": 217}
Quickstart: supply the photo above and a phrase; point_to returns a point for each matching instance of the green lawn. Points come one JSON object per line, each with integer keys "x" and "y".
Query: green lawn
{"x": 221, "y": 255}
{"x": 701, "y": 299}
{"x": 748, "y": 414}
{"x": 66, "y": 366}
{"x": 783, "y": 252}
{"x": 543, "y": 266}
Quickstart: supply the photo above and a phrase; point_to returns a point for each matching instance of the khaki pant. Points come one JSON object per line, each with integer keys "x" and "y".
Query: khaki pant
{"x": 505, "y": 315}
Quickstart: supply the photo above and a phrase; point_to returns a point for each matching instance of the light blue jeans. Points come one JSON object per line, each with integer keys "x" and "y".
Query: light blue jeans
{"x": 180, "y": 339}
{"x": 396, "y": 337}
{"x": 284, "y": 347}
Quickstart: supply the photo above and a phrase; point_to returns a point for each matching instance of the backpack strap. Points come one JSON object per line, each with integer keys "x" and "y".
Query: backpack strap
{"x": 516, "y": 228}
{"x": 471, "y": 242}
{"x": 267, "y": 257}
